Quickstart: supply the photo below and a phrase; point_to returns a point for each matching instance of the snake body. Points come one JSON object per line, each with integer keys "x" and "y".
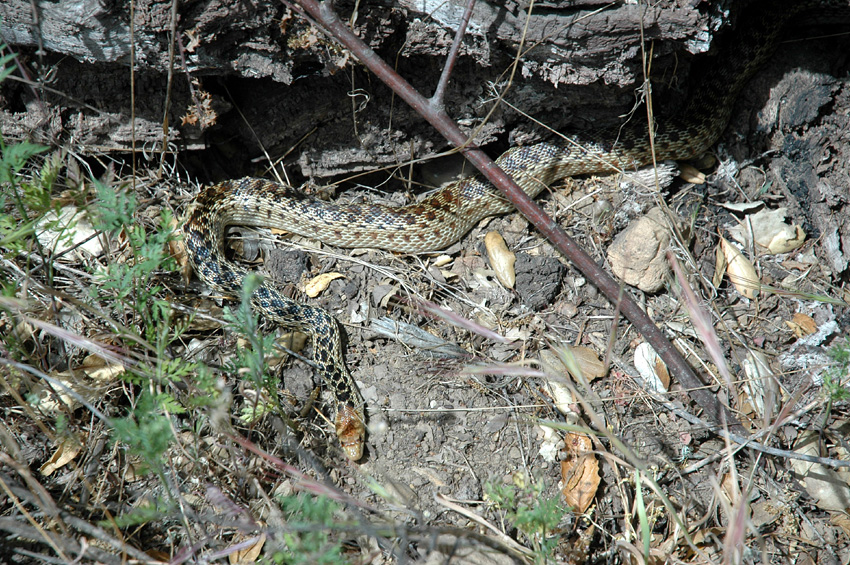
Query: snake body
{"x": 448, "y": 214}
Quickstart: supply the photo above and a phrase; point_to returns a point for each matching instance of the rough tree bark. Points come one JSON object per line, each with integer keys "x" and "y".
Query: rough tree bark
{"x": 287, "y": 80}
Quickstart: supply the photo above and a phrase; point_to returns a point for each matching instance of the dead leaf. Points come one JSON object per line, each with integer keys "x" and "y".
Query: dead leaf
{"x": 69, "y": 228}
{"x": 729, "y": 487}
{"x": 842, "y": 521}
{"x": 208, "y": 315}
{"x": 317, "y": 285}
{"x": 563, "y": 399}
{"x": 719, "y": 267}
{"x": 293, "y": 341}
{"x": 661, "y": 371}
{"x": 158, "y": 555}
{"x": 250, "y": 554}
{"x": 827, "y": 486}
{"x": 652, "y": 368}
{"x": 560, "y": 393}
{"x": 582, "y": 363}
{"x": 740, "y": 270}
{"x": 60, "y": 397}
{"x": 97, "y": 369}
{"x": 194, "y": 41}
{"x": 64, "y": 454}
{"x": 589, "y": 363}
{"x": 580, "y": 472}
{"x": 202, "y": 113}
{"x": 501, "y": 258}
{"x": 383, "y": 294}
{"x": 768, "y": 229}
{"x": 802, "y": 324}
{"x": 442, "y": 260}
{"x": 708, "y": 536}
{"x": 761, "y": 384}
{"x": 177, "y": 248}
{"x": 744, "y": 207}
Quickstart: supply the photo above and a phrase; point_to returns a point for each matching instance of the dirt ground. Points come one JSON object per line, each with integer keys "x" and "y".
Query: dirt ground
{"x": 444, "y": 424}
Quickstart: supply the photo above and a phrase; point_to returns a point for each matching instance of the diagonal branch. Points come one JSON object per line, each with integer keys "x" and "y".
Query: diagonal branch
{"x": 323, "y": 13}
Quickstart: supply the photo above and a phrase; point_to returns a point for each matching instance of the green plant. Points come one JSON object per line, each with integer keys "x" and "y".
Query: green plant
{"x": 147, "y": 428}
{"x": 14, "y": 232}
{"x": 251, "y": 360}
{"x": 6, "y": 67}
{"x": 13, "y": 159}
{"x": 36, "y": 190}
{"x": 146, "y": 431}
{"x": 129, "y": 280}
{"x": 144, "y": 513}
{"x": 835, "y": 378}
{"x": 529, "y": 512}
{"x": 307, "y": 539}
{"x": 17, "y": 222}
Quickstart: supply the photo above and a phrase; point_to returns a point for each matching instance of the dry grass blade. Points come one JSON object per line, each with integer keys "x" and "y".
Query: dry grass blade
{"x": 460, "y": 321}
{"x": 702, "y": 323}
{"x": 509, "y": 543}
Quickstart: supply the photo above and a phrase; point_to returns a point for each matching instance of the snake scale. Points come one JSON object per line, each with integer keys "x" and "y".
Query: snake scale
{"x": 445, "y": 216}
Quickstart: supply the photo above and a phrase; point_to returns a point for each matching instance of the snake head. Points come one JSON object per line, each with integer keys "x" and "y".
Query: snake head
{"x": 351, "y": 431}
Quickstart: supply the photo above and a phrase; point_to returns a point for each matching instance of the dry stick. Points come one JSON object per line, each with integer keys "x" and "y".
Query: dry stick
{"x": 172, "y": 37}
{"x": 440, "y": 91}
{"x": 323, "y": 13}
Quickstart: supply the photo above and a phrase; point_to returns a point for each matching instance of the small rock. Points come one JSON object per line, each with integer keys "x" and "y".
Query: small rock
{"x": 286, "y": 266}
{"x": 637, "y": 255}
{"x": 538, "y": 279}
{"x": 350, "y": 289}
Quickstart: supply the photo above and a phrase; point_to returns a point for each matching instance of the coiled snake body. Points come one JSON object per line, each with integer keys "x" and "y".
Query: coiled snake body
{"x": 447, "y": 215}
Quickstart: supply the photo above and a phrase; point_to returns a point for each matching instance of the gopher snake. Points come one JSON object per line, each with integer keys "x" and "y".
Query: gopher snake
{"x": 444, "y": 217}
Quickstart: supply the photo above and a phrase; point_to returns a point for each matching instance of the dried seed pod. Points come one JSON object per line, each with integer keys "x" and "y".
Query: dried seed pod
{"x": 317, "y": 285}
{"x": 501, "y": 258}
{"x": 740, "y": 270}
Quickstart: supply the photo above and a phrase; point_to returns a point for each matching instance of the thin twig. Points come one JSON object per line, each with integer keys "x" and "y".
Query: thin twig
{"x": 325, "y": 15}
{"x": 172, "y": 39}
{"x": 440, "y": 92}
